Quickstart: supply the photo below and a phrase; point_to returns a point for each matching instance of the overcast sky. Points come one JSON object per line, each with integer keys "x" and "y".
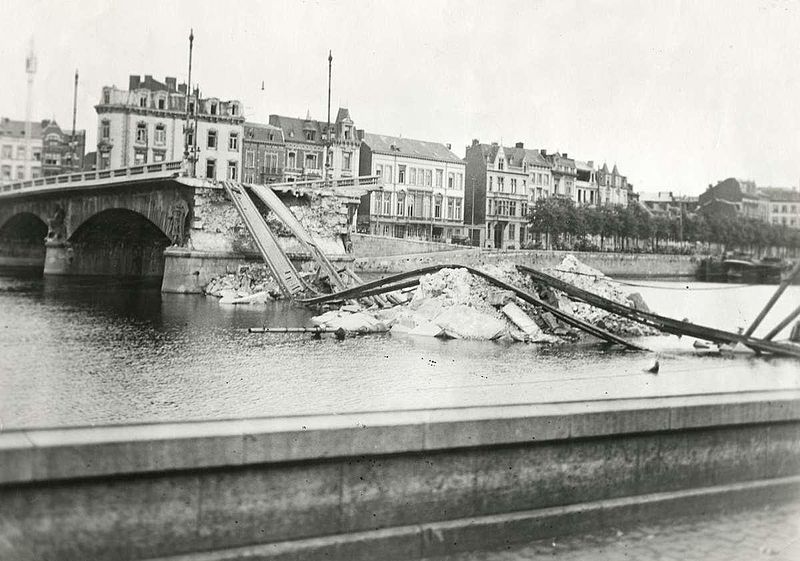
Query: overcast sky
{"x": 678, "y": 94}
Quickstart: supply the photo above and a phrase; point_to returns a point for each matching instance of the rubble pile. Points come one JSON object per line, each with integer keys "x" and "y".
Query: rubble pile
{"x": 250, "y": 284}
{"x": 587, "y": 278}
{"x": 322, "y": 217}
{"x": 451, "y": 303}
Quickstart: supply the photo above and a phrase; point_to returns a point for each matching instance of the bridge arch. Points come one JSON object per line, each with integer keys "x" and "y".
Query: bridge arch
{"x": 22, "y": 238}
{"x": 165, "y": 208}
{"x": 119, "y": 242}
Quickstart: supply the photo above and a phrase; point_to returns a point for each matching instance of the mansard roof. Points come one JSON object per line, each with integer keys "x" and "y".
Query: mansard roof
{"x": 13, "y": 128}
{"x": 261, "y": 132}
{"x": 382, "y": 144}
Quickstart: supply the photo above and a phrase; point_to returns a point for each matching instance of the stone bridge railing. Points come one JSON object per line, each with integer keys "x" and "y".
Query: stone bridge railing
{"x": 159, "y": 168}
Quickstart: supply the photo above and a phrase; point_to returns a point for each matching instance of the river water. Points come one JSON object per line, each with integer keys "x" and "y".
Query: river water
{"x": 97, "y": 351}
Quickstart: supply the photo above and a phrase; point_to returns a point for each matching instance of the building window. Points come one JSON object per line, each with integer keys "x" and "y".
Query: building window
{"x": 211, "y": 168}
{"x": 191, "y": 107}
{"x": 143, "y": 101}
{"x": 450, "y": 180}
{"x": 213, "y": 108}
{"x": 309, "y": 135}
{"x": 233, "y": 141}
{"x": 501, "y": 184}
{"x": 106, "y": 97}
{"x": 491, "y": 183}
{"x": 428, "y": 178}
{"x": 190, "y": 138}
{"x": 500, "y": 164}
{"x": 6, "y": 173}
{"x": 139, "y": 157}
{"x": 401, "y": 174}
{"x": 291, "y": 160}
{"x": 271, "y": 162}
{"x": 387, "y": 204}
{"x": 347, "y": 158}
{"x": 389, "y": 173}
{"x": 513, "y": 184}
{"x": 439, "y": 177}
{"x": 162, "y": 103}
{"x": 450, "y": 208}
{"x": 20, "y": 172}
{"x": 437, "y": 208}
{"x": 20, "y": 152}
{"x": 105, "y": 160}
{"x": 161, "y": 134}
{"x": 412, "y": 176}
{"x": 400, "y": 206}
{"x": 7, "y": 152}
{"x": 141, "y": 133}
{"x": 37, "y": 155}
{"x": 159, "y": 155}
{"x": 234, "y": 109}
{"x": 512, "y": 230}
{"x": 212, "y": 140}
{"x": 232, "y": 170}
{"x": 311, "y": 161}
{"x": 249, "y": 158}
{"x": 105, "y": 130}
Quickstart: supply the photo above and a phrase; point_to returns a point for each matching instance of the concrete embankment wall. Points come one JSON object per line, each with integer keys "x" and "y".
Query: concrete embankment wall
{"x": 367, "y": 245}
{"x": 399, "y": 485}
{"x": 612, "y": 264}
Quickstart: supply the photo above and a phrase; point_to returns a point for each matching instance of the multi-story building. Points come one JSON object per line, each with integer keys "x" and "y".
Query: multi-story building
{"x": 423, "y": 189}
{"x": 61, "y": 151}
{"x": 613, "y": 188}
{"x": 306, "y": 142}
{"x": 263, "y": 153}
{"x": 665, "y": 203}
{"x": 146, "y": 123}
{"x": 564, "y": 174}
{"x": 586, "y": 191}
{"x": 741, "y": 196}
{"x": 783, "y": 205}
{"x": 497, "y": 193}
{"x": 18, "y": 161}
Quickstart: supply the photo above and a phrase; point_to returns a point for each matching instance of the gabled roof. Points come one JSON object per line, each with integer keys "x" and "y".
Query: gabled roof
{"x": 583, "y": 166}
{"x": 382, "y": 144}
{"x": 615, "y": 171}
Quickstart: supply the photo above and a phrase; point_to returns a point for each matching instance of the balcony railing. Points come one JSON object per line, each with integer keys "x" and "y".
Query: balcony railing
{"x": 84, "y": 176}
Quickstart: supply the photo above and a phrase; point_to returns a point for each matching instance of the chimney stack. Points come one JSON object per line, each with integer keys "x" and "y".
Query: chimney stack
{"x": 520, "y": 145}
{"x": 133, "y": 82}
{"x": 475, "y": 141}
{"x": 449, "y": 146}
{"x": 170, "y": 82}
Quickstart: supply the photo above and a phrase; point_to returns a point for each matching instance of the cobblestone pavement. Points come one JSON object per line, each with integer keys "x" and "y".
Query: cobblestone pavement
{"x": 771, "y": 533}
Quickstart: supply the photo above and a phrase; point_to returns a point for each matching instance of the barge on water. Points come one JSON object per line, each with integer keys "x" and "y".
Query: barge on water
{"x": 769, "y": 270}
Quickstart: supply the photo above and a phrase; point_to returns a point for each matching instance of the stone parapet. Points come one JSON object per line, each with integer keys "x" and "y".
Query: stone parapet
{"x": 405, "y": 483}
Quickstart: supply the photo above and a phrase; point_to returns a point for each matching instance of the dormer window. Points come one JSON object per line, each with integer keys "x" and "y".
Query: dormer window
{"x": 106, "y": 97}
{"x": 213, "y": 109}
{"x": 500, "y": 164}
{"x": 309, "y": 135}
{"x": 162, "y": 103}
{"x": 143, "y": 101}
{"x": 234, "y": 109}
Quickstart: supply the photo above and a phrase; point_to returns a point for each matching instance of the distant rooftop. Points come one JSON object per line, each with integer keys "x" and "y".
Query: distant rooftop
{"x": 383, "y": 144}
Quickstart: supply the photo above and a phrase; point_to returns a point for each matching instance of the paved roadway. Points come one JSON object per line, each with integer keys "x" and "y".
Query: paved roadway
{"x": 771, "y": 533}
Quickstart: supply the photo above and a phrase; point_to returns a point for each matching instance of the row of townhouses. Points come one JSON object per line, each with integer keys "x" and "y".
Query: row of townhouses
{"x": 428, "y": 191}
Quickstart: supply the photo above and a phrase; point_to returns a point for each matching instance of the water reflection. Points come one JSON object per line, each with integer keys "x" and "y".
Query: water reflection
{"x": 88, "y": 351}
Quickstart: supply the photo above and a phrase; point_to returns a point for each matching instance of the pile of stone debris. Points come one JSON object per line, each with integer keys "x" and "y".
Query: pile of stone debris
{"x": 453, "y": 303}
{"x": 250, "y": 284}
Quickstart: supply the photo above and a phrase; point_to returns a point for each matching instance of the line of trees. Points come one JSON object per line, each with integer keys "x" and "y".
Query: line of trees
{"x": 562, "y": 224}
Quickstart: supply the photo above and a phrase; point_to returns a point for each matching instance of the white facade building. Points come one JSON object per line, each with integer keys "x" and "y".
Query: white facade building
{"x": 146, "y": 123}
{"x": 423, "y": 189}
{"x": 19, "y": 162}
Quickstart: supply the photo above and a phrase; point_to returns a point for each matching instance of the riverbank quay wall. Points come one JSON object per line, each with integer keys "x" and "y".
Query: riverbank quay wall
{"x": 393, "y": 485}
{"x": 612, "y": 264}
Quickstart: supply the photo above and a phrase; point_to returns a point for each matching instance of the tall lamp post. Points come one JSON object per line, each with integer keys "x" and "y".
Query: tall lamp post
{"x": 188, "y": 89}
{"x": 328, "y": 126}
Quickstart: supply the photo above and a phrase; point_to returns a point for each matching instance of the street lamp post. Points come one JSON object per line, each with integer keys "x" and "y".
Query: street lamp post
{"x": 472, "y": 217}
{"x": 188, "y": 88}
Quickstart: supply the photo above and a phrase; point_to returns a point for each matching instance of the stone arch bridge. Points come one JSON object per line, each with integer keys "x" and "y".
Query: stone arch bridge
{"x": 143, "y": 221}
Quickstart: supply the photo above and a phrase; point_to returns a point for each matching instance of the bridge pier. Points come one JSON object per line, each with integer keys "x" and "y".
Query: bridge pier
{"x": 58, "y": 257}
